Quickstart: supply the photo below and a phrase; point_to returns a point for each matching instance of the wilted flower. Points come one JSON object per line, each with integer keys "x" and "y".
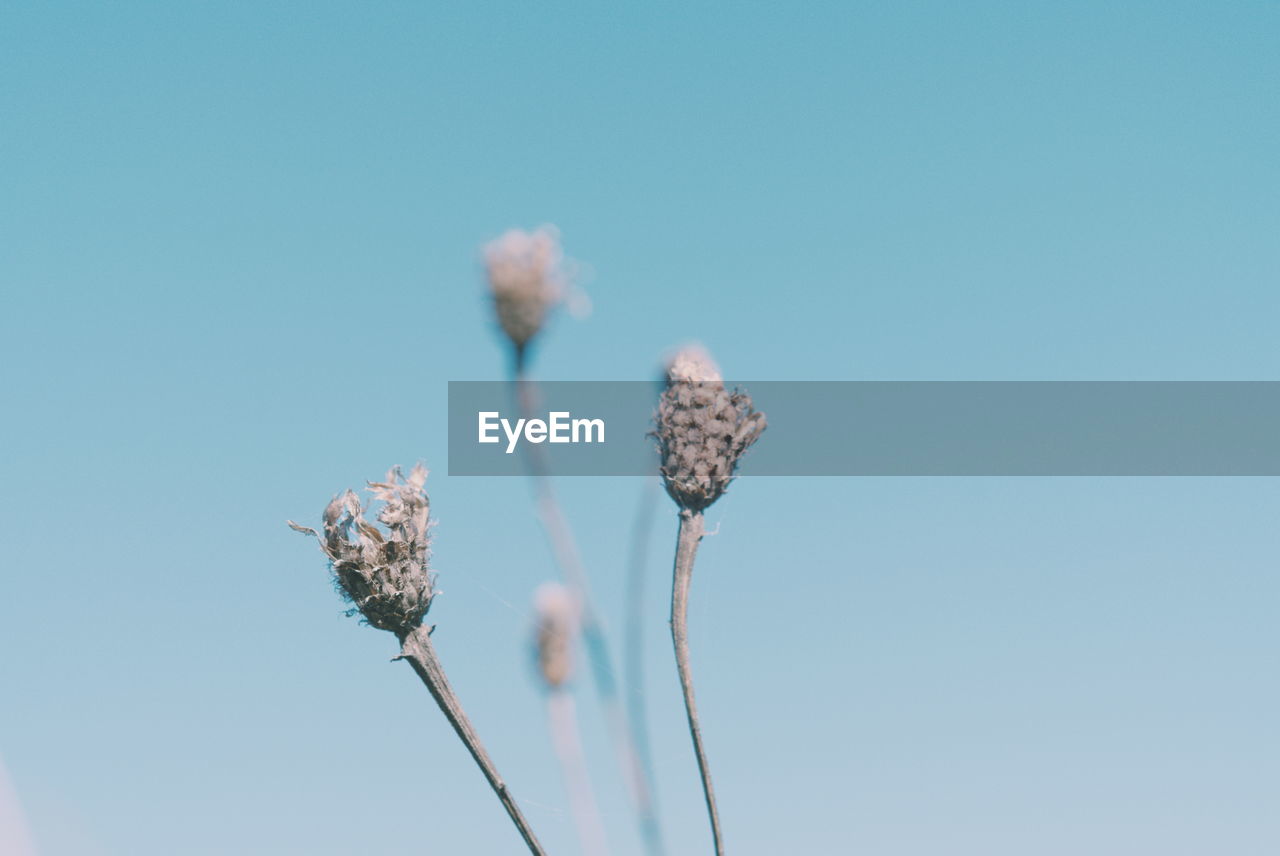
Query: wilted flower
{"x": 526, "y": 278}
{"x": 702, "y": 429}
{"x": 557, "y": 611}
{"x": 382, "y": 573}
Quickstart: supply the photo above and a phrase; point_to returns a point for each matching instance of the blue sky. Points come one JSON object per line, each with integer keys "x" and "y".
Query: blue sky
{"x": 239, "y": 254}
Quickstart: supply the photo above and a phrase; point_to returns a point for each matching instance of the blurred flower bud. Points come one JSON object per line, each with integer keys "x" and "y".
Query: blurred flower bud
{"x": 557, "y": 611}
{"x": 526, "y": 279}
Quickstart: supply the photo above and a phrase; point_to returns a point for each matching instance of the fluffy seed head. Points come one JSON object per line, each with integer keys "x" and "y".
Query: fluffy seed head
{"x": 693, "y": 363}
{"x": 382, "y": 572}
{"x": 526, "y": 279}
{"x": 557, "y": 611}
{"x": 702, "y": 430}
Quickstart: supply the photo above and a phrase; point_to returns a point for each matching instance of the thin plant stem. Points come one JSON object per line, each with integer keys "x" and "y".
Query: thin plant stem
{"x": 691, "y": 529}
{"x": 563, "y": 721}
{"x": 569, "y": 559}
{"x": 417, "y": 649}
{"x": 633, "y": 654}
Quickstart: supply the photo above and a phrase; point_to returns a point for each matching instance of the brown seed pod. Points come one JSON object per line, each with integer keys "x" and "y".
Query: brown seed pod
{"x": 703, "y": 429}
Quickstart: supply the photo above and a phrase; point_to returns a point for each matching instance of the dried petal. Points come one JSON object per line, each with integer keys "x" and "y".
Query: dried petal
{"x": 384, "y": 575}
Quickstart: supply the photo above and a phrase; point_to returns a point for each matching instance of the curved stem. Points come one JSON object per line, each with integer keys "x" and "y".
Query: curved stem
{"x": 565, "y": 550}
{"x": 416, "y": 647}
{"x": 691, "y": 529}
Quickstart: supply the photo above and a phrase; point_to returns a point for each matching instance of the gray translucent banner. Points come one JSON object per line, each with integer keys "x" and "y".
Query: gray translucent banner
{"x": 822, "y": 428}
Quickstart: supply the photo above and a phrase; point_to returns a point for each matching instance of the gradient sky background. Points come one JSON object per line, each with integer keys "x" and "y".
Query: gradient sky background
{"x": 238, "y": 249}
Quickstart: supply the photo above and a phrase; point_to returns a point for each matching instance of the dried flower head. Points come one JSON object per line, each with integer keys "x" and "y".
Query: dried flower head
{"x": 526, "y": 278}
{"x": 557, "y": 611}
{"x": 702, "y": 429}
{"x": 382, "y": 573}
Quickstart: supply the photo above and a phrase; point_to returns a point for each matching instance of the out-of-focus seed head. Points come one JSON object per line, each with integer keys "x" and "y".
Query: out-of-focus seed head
{"x": 703, "y": 429}
{"x": 382, "y": 572}
{"x": 557, "y": 611}
{"x": 527, "y": 279}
